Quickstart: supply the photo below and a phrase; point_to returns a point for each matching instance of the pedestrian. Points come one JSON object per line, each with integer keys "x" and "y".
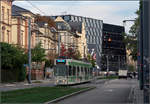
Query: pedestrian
{"x": 27, "y": 76}
{"x": 134, "y": 74}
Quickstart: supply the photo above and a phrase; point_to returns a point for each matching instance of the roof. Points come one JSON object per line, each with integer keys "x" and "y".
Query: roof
{"x": 113, "y": 28}
{"x": 15, "y": 13}
{"x": 77, "y": 16}
{"x": 75, "y": 26}
{"x": 19, "y": 9}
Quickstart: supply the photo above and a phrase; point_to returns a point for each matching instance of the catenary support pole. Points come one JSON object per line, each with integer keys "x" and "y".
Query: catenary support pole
{"x": 141, "y": 49}
{"x": 107, "y": 64}
{"x": 146, "y": 49}
{"x": 29, "y": 51}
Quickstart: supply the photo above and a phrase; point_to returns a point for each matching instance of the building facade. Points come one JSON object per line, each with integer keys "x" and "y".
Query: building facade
{"x": 47, "y": 36}
{"x": 72, "y": 35}
{"x": 93, "y": 30}
{"x": 20, "y": 27}
{"x": 80, "y": 39}
{"x": 5, "y": 21}
{"x": 64, "y": 34}
{"x": 113, "y": 48}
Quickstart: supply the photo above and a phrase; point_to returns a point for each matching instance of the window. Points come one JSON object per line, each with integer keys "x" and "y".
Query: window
{"x": 3, "y": 13}
{"x": 85, "y": 71}
{"x": 74, "y": 70}
{"x": 70, "y": 70}
{"x": 78, "y": 70}
{"x": 48, "y": 44}
{"x": 80, "y": 19}
{"x": 83, "y": 19}
{"x": 60, "y": 70}
{"x": 66, "y": 18}
{"x": 72, "y": 18}
{"x": 44, "y": 43}
{"x": 87, "y": 21}
{"x": 7, "y": 36}
{"x": 8, "y": 15}
{"x": 76, "y": 18}
{"x": 97, "y": 24}
{"x": 3, "y": 33}
{"x": 82, "y": 71}
{"x": 21, "y": 38}
{"x": 91, "y": 23}
{"x": 94, "y": 23}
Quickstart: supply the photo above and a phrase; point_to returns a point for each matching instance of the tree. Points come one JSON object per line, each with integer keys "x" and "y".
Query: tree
{"x": 51, "y": 57}
{"x": 131, "y": 40}
{"x": 45, "y": 19}
{"x": 63, "y": 50}
{"x": 91, "y": 60}
{"x": 38, "y": 53}
{"x": 13, "y": 58}
{"x": 70, "y": 53}
{"x": 77, "y": 55}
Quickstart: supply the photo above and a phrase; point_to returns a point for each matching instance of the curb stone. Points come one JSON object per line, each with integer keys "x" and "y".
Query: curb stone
{"x": 131, "y": 95}
{"x": 69, "y": 95}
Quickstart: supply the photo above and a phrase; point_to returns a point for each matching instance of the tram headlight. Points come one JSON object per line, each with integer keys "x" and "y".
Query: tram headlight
{"x": 64, "y": 81}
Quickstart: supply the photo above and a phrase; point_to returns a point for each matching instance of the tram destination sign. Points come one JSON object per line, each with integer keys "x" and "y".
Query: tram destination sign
{"x": 60, "y": 61}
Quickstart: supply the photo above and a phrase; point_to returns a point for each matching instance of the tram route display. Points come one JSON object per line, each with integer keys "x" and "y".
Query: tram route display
{"x": 69, "y": 71}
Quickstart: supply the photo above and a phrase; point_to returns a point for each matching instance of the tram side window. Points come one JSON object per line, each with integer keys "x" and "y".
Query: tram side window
{"x": 91, "y": 70}
{"x": 67, "y": 71}
{"x": 88, "y": 71}
{"x": 74, "y": 70}
{"x": 82, "y": 70}
{"x": 55, "y": 71}
{"x": 85, "y": 71}
{"x": 70, "y": 70}
{"x": 78, "y": 71}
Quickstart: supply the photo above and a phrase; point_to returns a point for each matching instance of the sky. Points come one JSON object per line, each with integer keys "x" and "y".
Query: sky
{"x": 112, "y": 12}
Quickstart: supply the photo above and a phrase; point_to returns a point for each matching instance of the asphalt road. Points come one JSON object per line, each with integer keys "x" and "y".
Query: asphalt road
{"x": 116, "y": 91}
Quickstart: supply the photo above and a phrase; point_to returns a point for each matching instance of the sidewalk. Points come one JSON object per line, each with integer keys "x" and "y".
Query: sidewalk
{"x": 23, "y": 85}
{"x": 137, "y": 95}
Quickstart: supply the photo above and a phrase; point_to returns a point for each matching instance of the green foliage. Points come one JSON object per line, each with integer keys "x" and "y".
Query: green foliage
{"x": 131, "y": 68}
{"x": 77, "y": 55}
{"x": 49, "y": 63}
{"x": 131, "y": 44}
{"x": 131, "y": 40}
{"x": 37, "y": 94}
{"x": 38, "y": 53}
{"x": 13, "y": 58}
{"x": 22, "y": 74}
{"x": 91, "y": 60}
{"x": 89, "y": 57}
{"x": 51, "y": 57}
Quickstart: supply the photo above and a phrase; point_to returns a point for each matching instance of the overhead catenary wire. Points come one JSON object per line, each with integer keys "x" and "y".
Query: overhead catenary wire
{"x": 34, "y": 6}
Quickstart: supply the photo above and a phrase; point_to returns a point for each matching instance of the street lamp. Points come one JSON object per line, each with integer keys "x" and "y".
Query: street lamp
{"x": 124, "y": 21}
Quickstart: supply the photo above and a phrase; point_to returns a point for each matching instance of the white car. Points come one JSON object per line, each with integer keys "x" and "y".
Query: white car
{"x": 122, "y": 74}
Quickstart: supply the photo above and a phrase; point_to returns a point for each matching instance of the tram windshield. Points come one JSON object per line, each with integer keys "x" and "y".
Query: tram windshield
{"x": 60, "y": 70}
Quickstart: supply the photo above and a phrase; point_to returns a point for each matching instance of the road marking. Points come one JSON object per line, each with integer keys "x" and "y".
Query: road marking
{"x": 9, "y": 85}
{"x": 110, "y": 90}
{"x": 27, "y": 84}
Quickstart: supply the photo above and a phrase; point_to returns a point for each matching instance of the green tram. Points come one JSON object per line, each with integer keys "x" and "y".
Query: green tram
{"x": 69, "y": 71}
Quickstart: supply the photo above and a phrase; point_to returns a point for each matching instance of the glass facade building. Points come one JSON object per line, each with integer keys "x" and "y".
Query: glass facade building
{"x": 113, "y": 48}
{"x": 93, "y": 29}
